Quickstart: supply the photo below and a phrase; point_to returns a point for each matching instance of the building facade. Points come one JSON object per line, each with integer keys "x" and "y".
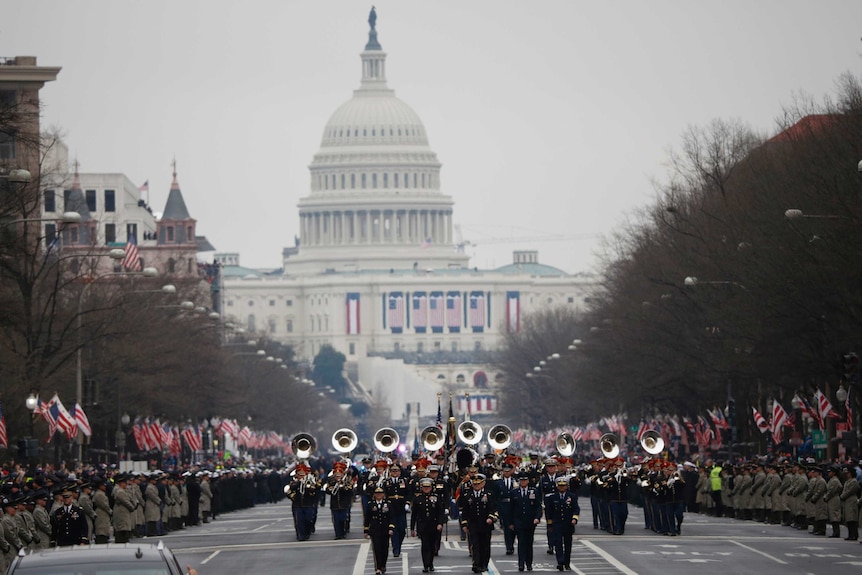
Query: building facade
{"x": 375, "y": 272}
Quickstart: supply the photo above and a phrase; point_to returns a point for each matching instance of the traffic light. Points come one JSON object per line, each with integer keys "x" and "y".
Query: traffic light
{"x": 851, "y": 366}
{"x": 28, "y": 447}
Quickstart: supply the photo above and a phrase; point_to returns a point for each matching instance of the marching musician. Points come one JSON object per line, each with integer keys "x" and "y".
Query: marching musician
{"x": 426, "y": 520}
{"x": 503, "y": 488}
{"x": 421, "y": 472}
{"x": 379, "y": 528}
{"x": 398, "y": 494}
{"x": 341, "y": 489}
{"x": 546, "y": 486}
{"x": 478, "y": 515}
{"x": 302, "y": 492}
{"x": 526, "y": 513}
{"x": 561, "y": 514}
{"x": 674, "y": 504}
{"x": 617, "y": 485}
{"x": 442, "y": 489}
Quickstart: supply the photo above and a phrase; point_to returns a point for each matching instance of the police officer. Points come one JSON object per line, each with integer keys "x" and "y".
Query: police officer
{"x": 478, "y": 512}
{"x": 526, "y": 513}
{"x": 426, "y": 521}
{"x": 379, "y": 528}
{"x": 70, "y": 524}
{"x": 561, "y": 514}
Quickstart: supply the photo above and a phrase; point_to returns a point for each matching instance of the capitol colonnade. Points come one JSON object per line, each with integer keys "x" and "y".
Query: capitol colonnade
{"x": 376, "y": 226}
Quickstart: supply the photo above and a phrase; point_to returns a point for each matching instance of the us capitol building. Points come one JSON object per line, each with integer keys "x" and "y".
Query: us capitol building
{"x": 376, "y": 273}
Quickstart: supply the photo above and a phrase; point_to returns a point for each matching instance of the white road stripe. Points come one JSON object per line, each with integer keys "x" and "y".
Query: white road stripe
{"x": 211, "y": 556}
{"x": 361, "y": 558}
{"x": 404, "y": 567}
{"x": 262, "y": 527}
{"x": 752, "y": 549}
{"x": 608, "y": 557}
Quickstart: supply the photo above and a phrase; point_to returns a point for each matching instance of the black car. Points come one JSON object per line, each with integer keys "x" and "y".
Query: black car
{"x": 111, "y": 559}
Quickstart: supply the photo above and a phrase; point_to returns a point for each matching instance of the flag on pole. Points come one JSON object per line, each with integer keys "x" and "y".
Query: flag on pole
{"x": 439, "y": 414}
{"x": 779, "y": 420}
{"x": 806, "y": 407}
{"x": 145, "y": 187}
{"x": 848, "y": 407}
{"x": 132, "y": 260}
{"x": 824, "y": 407}
{"x": 761, "y": 423}
{"x": 4, "y": 439}
{"x": 81, "y": 420}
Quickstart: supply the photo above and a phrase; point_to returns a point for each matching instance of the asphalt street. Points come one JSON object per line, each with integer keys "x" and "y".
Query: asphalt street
{"x": 262, "y": 540}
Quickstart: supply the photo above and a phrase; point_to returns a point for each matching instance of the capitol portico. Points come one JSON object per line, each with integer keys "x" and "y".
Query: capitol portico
{"x": 375, "y": 271}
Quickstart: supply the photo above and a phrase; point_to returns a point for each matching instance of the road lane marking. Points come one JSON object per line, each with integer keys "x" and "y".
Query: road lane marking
{"x": 404, "y": 567}
{"x": 608, "y": 557}
{"x": 211, "y": 556}
{"x": 361, "y": 558}
{"x": 492, "y": 568}
{"x": 752, "y": 549}
{"x": 262, "y": 527}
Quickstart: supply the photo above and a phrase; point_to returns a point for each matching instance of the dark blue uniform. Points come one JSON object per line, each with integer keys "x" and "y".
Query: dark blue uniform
{"x": 561, "y": 514}
{"x": 426, "y": 515}
{"x": 378, "y": 526}
{"x": 304, "y": 496}
{"x": 503, "y": 488}
{"x": 478, "y": 515}
{"x": 526, "y": 510}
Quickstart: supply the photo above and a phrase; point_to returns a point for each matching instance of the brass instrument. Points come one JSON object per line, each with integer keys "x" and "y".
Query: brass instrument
{"x": 499, "y": 437}
{"x": 652, "y": 442}
{"x": 303, "y": 445}
{"x": 565, "y": 444}
{"x": 344, "y": 440}
{"x": 432, "y": 438}
{"x": 386, "y": 440}
{"x": 470, "y": 432}
{"x": 610, "y": 445}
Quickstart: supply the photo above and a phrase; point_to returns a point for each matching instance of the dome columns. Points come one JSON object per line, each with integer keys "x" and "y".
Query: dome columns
{"x": 370, "y": 226}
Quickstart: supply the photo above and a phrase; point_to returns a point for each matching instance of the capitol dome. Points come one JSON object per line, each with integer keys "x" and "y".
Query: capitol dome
{"x": 375, "y": 200}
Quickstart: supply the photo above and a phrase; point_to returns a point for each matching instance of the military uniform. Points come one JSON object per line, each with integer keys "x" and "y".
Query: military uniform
{"x": 341, "y": 490}
{"x": 833, "y": 501}
{"x": 69, "y": 523}
{"x": 426, "y": 520}
{"x": 398, "y": 494}
{"x": 302, "y": 491}
{"x": 42, "y": 521}
{"x": 85, "y": 502}
{"x": 526, "y": 513}
{"x": 850, "y": 506}
{"x": 102, "y": 524}
{"x": 11, "y": 535}
{"x": 124, "y": 507}
{"x": 478, "y": 512}
{"x": 503, "y": 488}
{"x": 561, "y": 514}
{"x": 379, "y": 527}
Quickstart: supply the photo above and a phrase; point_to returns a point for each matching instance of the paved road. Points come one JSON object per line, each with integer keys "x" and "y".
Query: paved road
{"x": 262, "y": 541}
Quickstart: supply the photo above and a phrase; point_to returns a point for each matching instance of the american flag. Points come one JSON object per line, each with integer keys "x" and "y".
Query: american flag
{"x": 4, "y": 439}
{"x": 145, "y": 187}
{"x": 176, "y": 447}
{"x": 192, "y": 435}
{"x": 761, "y": 423}
{"x": 806, "y": 408}
{"x": 453, "y": 311}
{"x": 513, "y": 311}
{"x": 140, "y": 436}
{"x": 439, "y": 414}
{"x": 420, "y": 313}
{"x": 641, "y": 429}
{"x": 718, "y": 418}
{"x": 132, "y": 261}
{"x": 245, "y": 436}
{"x": 477, "y": 311}
{"x": 60, "y": 418}
{"x": 779, "y": 420}
{"x": 81, "y": 419}
{"x": 435, "y": 311}
{"x": 396, "y": 311}
{"x": 824, "y": 407}
{"x": 228, "y": 426}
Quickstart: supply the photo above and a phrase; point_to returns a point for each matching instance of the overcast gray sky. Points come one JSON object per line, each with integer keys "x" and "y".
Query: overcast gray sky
{"x": 550, "y": 117}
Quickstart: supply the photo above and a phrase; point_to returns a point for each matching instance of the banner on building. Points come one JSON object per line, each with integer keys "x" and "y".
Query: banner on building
{"x": 478, "y": 404}
{"x": 477, "y": 311}
{"x": 513, "y": 311}
{"x": 436, "y": 303}
{"x": 353, "y": 327}
{"x": 419, "y": 307}
{"x": 453, "y": 311}
{"x": 395, "y": 311}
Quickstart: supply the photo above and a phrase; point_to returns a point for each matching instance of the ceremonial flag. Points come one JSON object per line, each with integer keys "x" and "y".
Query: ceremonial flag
{"x": 4, "y": 439}
{"x": 435, "y": 311}
{"x": 60, "y": 418}
{"x": 450, "y": 426}
{"x": 176, "y": 447}
{"x": 439, "y": 414}
{"x": 132, "y": 260}
{"x": 192, "y": 435}
{"x": 420, "y": 313}
{"x": 477, "y": 311}
{"x": 140, "y": 436}
{"x": 761, "y": 423}
{"x": 824, "y": 407}
{"x": 779, "y": 420}
{"x": 453, "y": 311}
{"x": 81, "y": 420}
{"x": 513, "y": 311}
{"x": 396, "y": 312}
{"x": 145, "y": 187}
{"x": 806, "y": 408}
{"x": 353, "y": 313}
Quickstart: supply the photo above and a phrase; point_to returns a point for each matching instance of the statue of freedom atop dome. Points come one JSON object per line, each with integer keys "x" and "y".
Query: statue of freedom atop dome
{"x": 372, "y": 18}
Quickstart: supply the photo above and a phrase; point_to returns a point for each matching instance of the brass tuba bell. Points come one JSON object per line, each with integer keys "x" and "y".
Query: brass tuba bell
{"x": 432, "y": 438}
{"x": 470, "y": 432}
{"x": 344, "y": 440}
{"x": 499, "y": 437}
{"x": 610, "y": 445}
{"x": 652, "y": 442}
{"x": 565, "y": 444}
{"x": 386, "y": 440}
{"x": 303, "y": 445}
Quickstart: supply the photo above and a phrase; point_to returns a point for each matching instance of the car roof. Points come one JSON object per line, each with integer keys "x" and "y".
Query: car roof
{"x": 102, "y": 553}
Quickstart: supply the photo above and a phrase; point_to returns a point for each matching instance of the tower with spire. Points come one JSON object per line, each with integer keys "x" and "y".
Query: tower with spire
{"x": 176, "y": 227}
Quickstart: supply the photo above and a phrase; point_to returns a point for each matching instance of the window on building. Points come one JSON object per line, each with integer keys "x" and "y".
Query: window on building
{"x": 415, "y": 180}
{"x": 170, "y": 233}
{"x": 289, "y": 303}
{"x": 272, "y": 303}
{"x": 50, "y": 201}
{"x": 250, "y": 323}
{"x": 385, "y": 180}
{"x": 271, "y": 326}
{"x": 420, "y": 347}
{"x": 342, "y": 181}
{"x": 477, "y": 346}
{"x": 132, "y": 232}
{"x": 289, "y": 326}
{"x": 407, "y": 181}
{"x": 438, "y": 346}
{"x": 570, "y": 299}
{"x": 73, "y": 234}
{"x": 50, "y": 235}
{"x": 363, "y": 181}
{"x": 110, "y": 233}
{"x": 374, "y": 181}
{"x": 396, "y": 347}
{"x": 460, "y": 378}
{"x": 454, "y": 346}
{"x": 91, "y": 200}
{"x": 7, "y": 145}
{"x": 110, "y": 201}
{"x": 352, "y": 181}
{"x": 172, "y": 265}
{"x": 190, "y": 235}
{"x": 230, "y": 303}
{"x": 351, "y": 349}
{"x": 423, "y": 179}
{"x": 250, "y": 303}
{"x": 67, "y": 201}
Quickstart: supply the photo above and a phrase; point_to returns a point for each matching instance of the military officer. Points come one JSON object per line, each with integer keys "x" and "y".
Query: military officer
{"x": 41, "y": 519}
{"x": 426, "y": 521}
{"x": 11, "y": 531}
{"x": 526, "y": 513}
{"x": 398, "y": 494}
{"x": 478, "y": 512}
{"x": 561, "y": 514}
{"x": 503, "y": 488}
{"x": 124, "y": 507}
{"x": 833, "y": 500}
{"x": 546, "y": 485}
{"x": 443, "y": 490}
{"x": 85, "y": 502}
{"x": 849, "y": 498}
{"x": 379, "y": 528}
{"x": 69, "y": 522}
{"x": 26, "y": 525}
{"x": 102, "y": 524}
